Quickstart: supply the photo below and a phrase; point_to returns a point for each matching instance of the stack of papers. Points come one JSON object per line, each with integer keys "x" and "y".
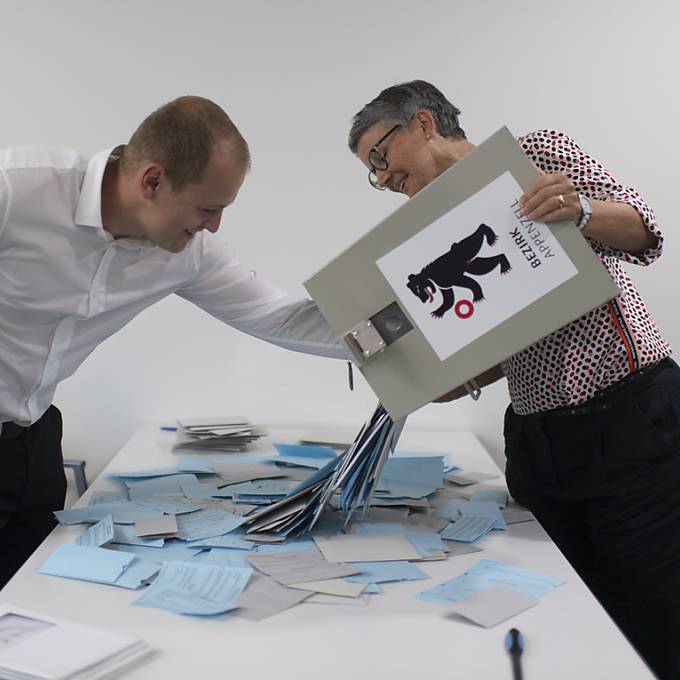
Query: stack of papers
{"x": 354, "y": 475}
{"x": 231, "y": 433}
{"x": 35, "y": 646}
{"x": 250, "y": 536}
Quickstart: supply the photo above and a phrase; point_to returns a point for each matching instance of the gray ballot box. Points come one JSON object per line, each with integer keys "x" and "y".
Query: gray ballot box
{"x": 456, "y": 280}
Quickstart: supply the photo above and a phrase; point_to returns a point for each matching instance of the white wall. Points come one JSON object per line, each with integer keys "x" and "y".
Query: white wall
{"x": 83, "y": 73}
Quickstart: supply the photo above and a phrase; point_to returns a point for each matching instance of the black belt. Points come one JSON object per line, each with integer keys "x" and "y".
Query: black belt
{"x": 11, "y": 430}
{"x": 600, "y": 400}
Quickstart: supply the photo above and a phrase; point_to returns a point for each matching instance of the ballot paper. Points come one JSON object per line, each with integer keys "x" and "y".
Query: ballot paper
{"x": 195, "y": 588}
{"x": 322, "y": 598}
{"x": 167, "y": 504}
{"x": 34, "y": 646}
{"x": 98, "y": 534}
{"x": 491, "y": 606}
{"x": 156, "y": 526}
{"x": 468, "y": 478}
{"x": 385, "y": 572}
{"x": 222, "y": 557}
{"x": 304, "y": 455}
{"x": 113, "y": 567}
{"x": 206, "y": 524}
{"x": 468, "y": 529}
{"x": 127, "y": 535}
{"x": 265, "y": 597}
{"x": 354, "y": 475}
{"x": 122, "y": 513}
{"x": 335, "y": 586}
{"x": 367, "y": 548}
{"x": 233, "y": 473}
{"x": 487, "y": 573}
{"x": 300, "y": 567}
{"x": 230, "y": 433}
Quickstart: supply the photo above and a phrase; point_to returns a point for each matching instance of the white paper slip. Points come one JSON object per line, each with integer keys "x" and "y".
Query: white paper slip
{"x": 320, "y": 598}
{"x": 468, "y": 478}
{"x": 156, "y": 526}
{"x": 264, "y": 597}
{"x": 335, "y": 586}
{"x": 33, "y": 645}
{"x": 367, "y": 548}
{"x": 299, "y": 567}
{"x": 491, "y": 606}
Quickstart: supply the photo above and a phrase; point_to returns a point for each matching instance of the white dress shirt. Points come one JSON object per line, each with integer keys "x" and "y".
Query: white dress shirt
{"x": 66, "y": 284}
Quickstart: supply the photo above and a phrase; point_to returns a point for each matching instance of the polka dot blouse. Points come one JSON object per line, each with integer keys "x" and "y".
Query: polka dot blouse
{"x": 569, "y": 366}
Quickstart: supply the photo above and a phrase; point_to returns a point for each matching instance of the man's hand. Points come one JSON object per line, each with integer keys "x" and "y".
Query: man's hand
{"x": 552, "y": 197}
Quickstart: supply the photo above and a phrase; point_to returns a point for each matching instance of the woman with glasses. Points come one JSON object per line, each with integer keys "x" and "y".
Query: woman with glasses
{"x": 592, "y": 433}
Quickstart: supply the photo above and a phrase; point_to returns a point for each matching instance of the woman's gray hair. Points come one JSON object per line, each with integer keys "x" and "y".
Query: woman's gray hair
{"x": 399, "y": 103}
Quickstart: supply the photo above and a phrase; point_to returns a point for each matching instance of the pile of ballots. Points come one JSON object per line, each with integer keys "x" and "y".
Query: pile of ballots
{"x": 353, "y": 476}
{"x": 257, "y": 534}
{"x": 232, "y": 433}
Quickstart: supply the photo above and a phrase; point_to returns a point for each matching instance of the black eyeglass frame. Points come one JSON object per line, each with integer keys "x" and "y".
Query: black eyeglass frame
{"x": 378, "y": 161}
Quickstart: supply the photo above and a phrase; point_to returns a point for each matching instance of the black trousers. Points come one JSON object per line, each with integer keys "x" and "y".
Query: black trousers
{"x": 604, "y": 481}
{"x": 32, "y": 485}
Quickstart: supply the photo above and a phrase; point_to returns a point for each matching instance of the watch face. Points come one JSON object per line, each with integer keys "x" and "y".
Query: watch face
{"x": 586, "y": 211}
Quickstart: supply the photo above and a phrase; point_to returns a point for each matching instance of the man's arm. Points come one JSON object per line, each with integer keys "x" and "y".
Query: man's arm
{"x": 237, "y": 296}
{"x": 486, "y": 378}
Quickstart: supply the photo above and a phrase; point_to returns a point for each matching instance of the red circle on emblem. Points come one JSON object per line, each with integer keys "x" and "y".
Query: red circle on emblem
{"x": 464, "y": 309}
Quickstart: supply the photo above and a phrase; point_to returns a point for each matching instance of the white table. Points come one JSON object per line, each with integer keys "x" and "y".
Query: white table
{"x": 568, "y": 634}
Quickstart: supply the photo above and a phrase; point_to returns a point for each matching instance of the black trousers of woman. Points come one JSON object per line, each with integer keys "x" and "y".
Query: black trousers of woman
{"x": 603, "y": 479}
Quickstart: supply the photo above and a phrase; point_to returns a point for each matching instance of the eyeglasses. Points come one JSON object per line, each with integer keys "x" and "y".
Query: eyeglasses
{"x": 378, "y": 160}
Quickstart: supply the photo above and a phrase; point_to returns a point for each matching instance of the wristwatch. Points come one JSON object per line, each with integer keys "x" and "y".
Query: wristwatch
{"x": 586, "y": 212}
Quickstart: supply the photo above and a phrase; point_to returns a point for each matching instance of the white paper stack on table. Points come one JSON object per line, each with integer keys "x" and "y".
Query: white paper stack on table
{"x": 33, "y": 645}
{"x": 230, "y": 433}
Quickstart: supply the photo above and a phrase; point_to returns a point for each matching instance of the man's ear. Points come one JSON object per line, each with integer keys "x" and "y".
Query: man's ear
{"x": 424, "y": 122}
{"x": 150, "y": 180}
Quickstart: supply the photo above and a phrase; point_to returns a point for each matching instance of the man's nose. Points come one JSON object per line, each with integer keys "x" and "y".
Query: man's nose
{"x": 213, "y": 224}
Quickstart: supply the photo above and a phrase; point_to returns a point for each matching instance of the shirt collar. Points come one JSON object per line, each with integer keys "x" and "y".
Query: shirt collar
{"x": 89, "y": 208}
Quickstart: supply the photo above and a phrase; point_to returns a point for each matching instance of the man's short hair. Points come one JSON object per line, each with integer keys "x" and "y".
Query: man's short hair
{"x": 181, "y": 136}
{"x": 399, "y": 103}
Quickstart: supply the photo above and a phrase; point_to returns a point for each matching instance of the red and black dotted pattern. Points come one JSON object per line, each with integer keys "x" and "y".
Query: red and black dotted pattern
{"x": 569, "y": 366}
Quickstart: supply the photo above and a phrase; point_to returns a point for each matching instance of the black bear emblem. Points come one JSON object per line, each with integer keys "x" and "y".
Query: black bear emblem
{"x": 450, "y": 270}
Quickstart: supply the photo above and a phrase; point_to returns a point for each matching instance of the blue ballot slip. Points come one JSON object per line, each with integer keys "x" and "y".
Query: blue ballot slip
{"x": 233, "y": 540}
{"x": 468, "y": 529}
{"x": 98, "y": 534}
{"x": 195, "y": 490}
{"x": 412, "y": 476}
{"x": 207, "y": 524}
{"x": 86, "y": 563}
{"x": 487, "y": 573}
{"x": 122, "y": 513}
{"x": 384, "y": 572}
{"x": 304, "y": 455}
{"x": 487, "y": 509}
{"x": 222, "y": 557}
{"x": 195, "y": 588}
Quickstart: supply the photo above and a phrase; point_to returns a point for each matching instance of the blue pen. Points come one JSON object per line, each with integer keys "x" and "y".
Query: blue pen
{"x": 168, "y": 428}
{"x": 514, "y": 643}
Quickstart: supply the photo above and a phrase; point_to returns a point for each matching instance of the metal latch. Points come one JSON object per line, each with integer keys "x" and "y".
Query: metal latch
{"x": 371, "y": 337}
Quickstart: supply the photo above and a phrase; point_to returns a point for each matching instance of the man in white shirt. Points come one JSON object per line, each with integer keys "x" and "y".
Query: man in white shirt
{"x": 85, "y": 245}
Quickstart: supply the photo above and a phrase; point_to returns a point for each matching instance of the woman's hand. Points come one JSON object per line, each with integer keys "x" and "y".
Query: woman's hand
{"x": 552, "y": 197}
